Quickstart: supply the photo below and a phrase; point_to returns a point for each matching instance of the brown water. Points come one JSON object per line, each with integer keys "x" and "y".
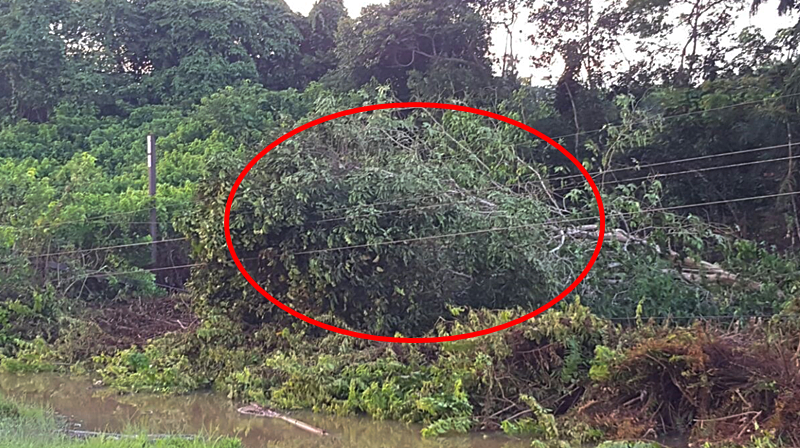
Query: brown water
{"x": 93, "y": 409}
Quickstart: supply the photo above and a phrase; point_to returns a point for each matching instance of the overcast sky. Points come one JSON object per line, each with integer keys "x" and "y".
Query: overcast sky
{"x": 767, "y": 19}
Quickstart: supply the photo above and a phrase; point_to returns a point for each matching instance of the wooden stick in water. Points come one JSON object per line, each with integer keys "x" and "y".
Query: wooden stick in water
{"x": 256, "y": 410}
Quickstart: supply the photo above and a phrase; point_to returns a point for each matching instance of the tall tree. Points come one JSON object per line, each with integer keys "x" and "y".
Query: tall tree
{"x": 687, "y": 40}
{"x": 582, "y": 33}
{"x": 319, "y": 40}
{"x": 32, "y": 54}
{"x": 784, "y": 6}
{"x": 181, "y": 50}
{"x": 195, "y": 47}
{"x": 388, "y": 42}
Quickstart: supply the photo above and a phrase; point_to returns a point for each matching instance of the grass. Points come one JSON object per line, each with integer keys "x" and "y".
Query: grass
{"x": 23, "y": 426}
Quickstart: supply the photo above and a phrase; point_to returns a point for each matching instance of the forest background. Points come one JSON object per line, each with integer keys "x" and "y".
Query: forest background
{"x": 414, "y": 222}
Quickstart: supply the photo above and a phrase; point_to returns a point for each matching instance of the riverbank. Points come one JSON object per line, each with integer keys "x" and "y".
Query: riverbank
{"x": 24, "y": 425}
{"x": 565, "y": 377}
{"x": 99, "y": 409}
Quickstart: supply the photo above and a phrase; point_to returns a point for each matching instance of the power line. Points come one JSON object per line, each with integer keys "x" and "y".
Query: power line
{"x": 670, "y": 162}
{"x": 669, "y": 117}
{"x": 698, "y": 170}
{"x": 102, "y": 217}
{"x": 96, "y": 274}
{"x": 654, "y": 210}
{"x": 481, "y": 231}
{"x": 95, "y": 249}
{"x": 555, "y": 179}
{"x": 725, "y": 201}
{"x": 745, "y": 103}
{"x": 85, "y": 220}
{"x": 91, "y": 249}
{"x": 683, "y": 114}
{"x": 527, "y": 226}
{"x": 551, "y": 179}
{"x": 658, "y": 175}
{"x": 435, "y": 237}
{"x": 490, "y": 189}
{"x": 138, "y": 271}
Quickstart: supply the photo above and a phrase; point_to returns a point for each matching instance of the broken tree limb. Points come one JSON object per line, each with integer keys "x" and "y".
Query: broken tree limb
{"x": 691, "y": 270}
{"x": 258, "y": 411}
{"x": 697, "y": 271}
{"x": 619, "y": 235}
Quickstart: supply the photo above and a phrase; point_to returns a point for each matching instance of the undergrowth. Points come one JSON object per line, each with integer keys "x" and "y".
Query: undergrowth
{"x": 566, "y": 377}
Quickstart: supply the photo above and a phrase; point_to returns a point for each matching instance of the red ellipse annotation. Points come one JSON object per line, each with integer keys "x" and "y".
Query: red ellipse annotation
{"x": 406, "y": 105}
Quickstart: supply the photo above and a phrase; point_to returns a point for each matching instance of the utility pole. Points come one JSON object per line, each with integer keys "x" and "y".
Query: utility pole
{"x": 151, "y": 165}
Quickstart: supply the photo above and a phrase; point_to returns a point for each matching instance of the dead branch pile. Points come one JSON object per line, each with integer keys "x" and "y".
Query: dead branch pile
{"x": 716, "y": 386}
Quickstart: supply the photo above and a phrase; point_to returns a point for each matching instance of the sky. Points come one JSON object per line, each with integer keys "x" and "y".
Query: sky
{"x": 767, "y": 20}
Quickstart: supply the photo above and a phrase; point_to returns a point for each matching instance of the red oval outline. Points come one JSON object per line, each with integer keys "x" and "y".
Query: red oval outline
{"x": 405, "y": 105}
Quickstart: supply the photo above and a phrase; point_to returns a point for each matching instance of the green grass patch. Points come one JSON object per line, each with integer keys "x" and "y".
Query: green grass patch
{"x": 24, "y": 426}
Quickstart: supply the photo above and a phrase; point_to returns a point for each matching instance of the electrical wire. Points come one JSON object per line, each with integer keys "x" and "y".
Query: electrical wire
{"x": 556, "y": 179}
{"x": 518, "y": 184}
{"x": 525, "y": 226}
{"x": 692, "y": 171}
{"x": 655, "y": 210}
{"x": 102, "y": 217}
{"x": 683, "y": 114}
{"x": 612, "y": 182}
{"x": 95, "y": 249}
{"x": 675, "y": 161}
{"x": 99, "y": 218}
{"x": 468, "y": 233}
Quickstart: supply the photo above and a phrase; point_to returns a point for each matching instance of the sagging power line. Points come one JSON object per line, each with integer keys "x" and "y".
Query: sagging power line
{"x": 458, "y": 234}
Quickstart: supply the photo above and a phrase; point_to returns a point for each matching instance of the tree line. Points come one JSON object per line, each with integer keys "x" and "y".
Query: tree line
{"x": 683, "y": 139}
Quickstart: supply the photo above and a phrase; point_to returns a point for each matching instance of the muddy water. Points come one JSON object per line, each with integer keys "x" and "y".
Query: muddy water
{"x": 212, "y": 414}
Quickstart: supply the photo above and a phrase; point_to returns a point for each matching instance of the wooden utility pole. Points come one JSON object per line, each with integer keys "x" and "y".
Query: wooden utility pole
{"x": 151, "y": 165}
